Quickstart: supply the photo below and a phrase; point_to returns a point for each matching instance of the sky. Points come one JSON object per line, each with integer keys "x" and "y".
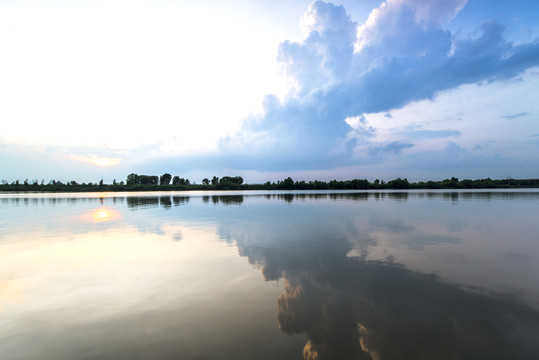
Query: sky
{"x": 418, "y": 89}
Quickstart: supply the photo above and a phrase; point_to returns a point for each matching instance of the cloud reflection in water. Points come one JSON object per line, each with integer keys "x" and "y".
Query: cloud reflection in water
{"x": 354, "y": 308}
{"x": 366, "y": 276}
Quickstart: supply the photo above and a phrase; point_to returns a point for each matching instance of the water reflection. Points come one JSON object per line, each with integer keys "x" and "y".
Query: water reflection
{"x": 180, "y": 200}
{"x": 382, "y": 311}
{"x": 227, "y": 199}
{"x": 127, "y": 294}
{"x": 165, "y": 201}
{"x": 142, "y": 202}
{"x": 104, "y": 214}
{"x": 351, "y": 308}
{"x": 361, "y": 275}
{"x": 147, "y": 199}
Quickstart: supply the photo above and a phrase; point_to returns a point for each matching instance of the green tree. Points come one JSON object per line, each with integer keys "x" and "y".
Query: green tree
{"x": 399, "y": 183}
{"x": 237, "y": 180}
{"x": 288, "y": 183}
{"x": 132, "y": 179}
{"x": 148, "y": 179}
{"x": 165, "y": 179}
{"x": 205, "y": 181}
{"x": 180, "y": 181}
{"x": 215, "y": 180}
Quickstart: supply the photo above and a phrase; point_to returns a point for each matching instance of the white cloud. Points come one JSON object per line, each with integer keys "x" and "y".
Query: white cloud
{"x": 122, "y": 73}
{"x": 168, "y": 84}
{"x": 469, "y": 116}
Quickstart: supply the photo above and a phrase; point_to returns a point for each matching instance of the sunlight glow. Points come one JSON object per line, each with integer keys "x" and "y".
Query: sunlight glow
{"x": 97, "y": 160}
{"x": 104, "y": 214}
{"x": 145, "y": 61}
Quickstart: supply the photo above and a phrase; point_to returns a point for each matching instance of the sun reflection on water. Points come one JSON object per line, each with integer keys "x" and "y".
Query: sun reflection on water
{"x": 104, "y": 214}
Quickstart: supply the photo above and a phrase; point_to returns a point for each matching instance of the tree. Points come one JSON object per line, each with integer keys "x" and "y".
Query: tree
{"x": 399, "y": 183}
{"x": 467, "y": 183}
{"x": 180, "y": 181}
{"x": 148, "y": 179}
{"x": 237, "y": 180}
{"x": 165, "y": 179}
{"x": 288, "y": 183}
{"x": 132, "y": 179}
{"x": 215, "y": 180}
{"x": 205, "y": 181}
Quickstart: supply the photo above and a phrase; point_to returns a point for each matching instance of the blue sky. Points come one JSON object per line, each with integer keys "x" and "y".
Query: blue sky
{"x": 269, "y": 89}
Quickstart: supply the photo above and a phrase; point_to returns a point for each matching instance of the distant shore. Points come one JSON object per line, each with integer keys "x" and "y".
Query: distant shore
{"x": 163, "y": 183}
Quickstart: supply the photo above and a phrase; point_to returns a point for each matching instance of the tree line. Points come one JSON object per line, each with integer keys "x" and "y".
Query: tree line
{"x": 136, "y": 182}
{"x": 167, "y": 180}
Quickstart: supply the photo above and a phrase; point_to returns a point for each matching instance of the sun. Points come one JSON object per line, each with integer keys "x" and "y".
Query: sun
{"x": 97, "y": 160}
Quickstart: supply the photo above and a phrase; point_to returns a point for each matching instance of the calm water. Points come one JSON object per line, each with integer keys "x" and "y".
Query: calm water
{"x": 341, "y": 275}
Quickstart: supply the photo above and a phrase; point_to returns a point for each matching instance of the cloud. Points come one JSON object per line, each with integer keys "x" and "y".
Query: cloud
{"x": 430, "y": 134}
{"x": 401, "y": 54}
{"x": 96, "y": 160}
{"x": 394, "y": 147}
{"x": 406, "y": 52}
{"x": 326, "y": 54}
{"x": 407, "y": 67}
{"x": 395, "y": 20}
{"x": 515, "y": 116}
{"x": 454, "y": 159}
{"x": 64, "y": 163}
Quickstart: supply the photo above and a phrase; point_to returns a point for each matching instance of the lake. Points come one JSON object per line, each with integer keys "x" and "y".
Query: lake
{"x": 270, "y": 275}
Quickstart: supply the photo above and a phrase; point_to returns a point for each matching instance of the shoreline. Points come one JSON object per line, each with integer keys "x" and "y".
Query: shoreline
{"x": 317, "y": 185}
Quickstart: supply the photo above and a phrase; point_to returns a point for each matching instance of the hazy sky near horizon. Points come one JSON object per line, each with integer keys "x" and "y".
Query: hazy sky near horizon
{"x": 423, "y": 89}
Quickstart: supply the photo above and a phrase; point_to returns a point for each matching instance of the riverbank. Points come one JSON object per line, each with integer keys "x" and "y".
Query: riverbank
{"x": 287, "y": 184}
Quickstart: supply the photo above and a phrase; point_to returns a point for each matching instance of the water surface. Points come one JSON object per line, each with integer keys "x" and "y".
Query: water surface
{"x": 276, "y": 275}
